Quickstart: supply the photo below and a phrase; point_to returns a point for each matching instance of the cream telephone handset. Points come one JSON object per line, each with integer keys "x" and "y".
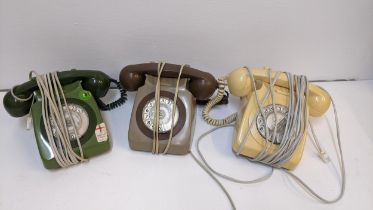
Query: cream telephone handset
{"x": 272, "y": 122}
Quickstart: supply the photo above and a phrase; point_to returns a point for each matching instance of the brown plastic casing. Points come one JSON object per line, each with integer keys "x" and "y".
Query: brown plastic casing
{"x": 141, "y": 138}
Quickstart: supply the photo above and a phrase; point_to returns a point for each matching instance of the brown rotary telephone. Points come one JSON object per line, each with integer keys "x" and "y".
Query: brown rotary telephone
{"x": 176, "y": 123}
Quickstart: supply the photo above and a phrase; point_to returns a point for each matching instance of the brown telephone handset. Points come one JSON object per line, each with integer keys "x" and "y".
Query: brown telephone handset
{"x": 260, "y": 130}
{"x": 190, "y": 86}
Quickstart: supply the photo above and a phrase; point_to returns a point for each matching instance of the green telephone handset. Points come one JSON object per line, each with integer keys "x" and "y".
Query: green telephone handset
{"x": 85, "y": 127}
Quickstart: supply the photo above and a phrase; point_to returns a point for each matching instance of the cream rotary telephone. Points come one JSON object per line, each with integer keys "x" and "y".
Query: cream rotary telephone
{"x": 272, "y": 122}
{"x": 255, "y": 131}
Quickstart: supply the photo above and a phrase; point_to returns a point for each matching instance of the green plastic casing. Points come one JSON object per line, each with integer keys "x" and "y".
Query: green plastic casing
{"x": 74, "y": 93}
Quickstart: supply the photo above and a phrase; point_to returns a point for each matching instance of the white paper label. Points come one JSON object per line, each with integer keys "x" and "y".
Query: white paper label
{"x": 29, "y": 122}
{"x": 101, "y": 133}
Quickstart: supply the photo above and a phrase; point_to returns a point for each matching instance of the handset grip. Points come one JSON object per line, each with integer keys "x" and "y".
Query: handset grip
{"x": 96, "y": 82}
{"x": 201, "y": 84}
{"x": 239, "y": 84}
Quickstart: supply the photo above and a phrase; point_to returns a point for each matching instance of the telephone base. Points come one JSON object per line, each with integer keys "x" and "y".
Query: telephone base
{"x": 175, "y": 149}
{"x": 255, "y": 142}
{"x": 94, "y": 141}
{"x": 140, "y": 136}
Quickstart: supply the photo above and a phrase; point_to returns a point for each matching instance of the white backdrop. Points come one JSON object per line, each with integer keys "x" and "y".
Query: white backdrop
{"x": 324, "y": 39}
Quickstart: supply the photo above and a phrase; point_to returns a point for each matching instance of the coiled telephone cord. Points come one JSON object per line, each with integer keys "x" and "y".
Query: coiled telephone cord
{"x": 206, "y": 110}
{"x": 296, "y": 126}
{"x": 115, "y": 104}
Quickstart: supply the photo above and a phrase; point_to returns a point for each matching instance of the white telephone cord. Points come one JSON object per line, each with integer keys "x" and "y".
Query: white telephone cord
{"x": 155, "y": 149}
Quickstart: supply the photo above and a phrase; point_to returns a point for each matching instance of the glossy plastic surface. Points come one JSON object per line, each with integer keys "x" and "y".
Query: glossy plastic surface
{"x": 74, "y": 93}
{"x": 96, "y": 82}
{"x": 182, "y": 140}
{"x": 240, "y": 84}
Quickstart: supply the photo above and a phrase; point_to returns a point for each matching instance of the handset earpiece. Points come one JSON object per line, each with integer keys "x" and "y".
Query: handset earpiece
{"x": 16, "y": 107}
{"x": 318, "y": 100}
{"x": 202, "y": 89}
{"x": 97, "y": 84}
{"x": 131, "y": 80}
{"x": 239, "y": 82}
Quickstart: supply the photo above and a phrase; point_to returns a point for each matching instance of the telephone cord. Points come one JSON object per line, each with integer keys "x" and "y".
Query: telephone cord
{"x": 298, "y": 116}
{"x": 294, "y": 128}
{"x": 155, "y": 149}
{"x": 115, "y": 104}
{"x": 208, "y": 171}
{"x": 212, "y": 172}
{"x": 156, "y": 102}
{"x": 214, "y": 101}
{"x": 174, "y": 110}
{"x": 203, "y": 159}
{"x": 260, "y": 105}
{"x": 206, "y": 111}
{"x": 340, "y": 163}
{"x": 314, "y": 141}
{"x": 156, "y": 124}
{"x": 54, "y": 104}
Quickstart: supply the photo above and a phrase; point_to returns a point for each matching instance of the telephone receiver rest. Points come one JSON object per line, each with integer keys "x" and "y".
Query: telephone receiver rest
{"x": 239, "y": 84}
{"x": 97, "y": 82}
{"x": 201, "y": 84}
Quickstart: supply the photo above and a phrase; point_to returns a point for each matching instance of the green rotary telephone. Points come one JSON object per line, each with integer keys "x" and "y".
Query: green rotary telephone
{"x": 86, "y": 131}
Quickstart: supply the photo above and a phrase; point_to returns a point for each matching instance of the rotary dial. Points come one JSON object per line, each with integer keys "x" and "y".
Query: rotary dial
{"x": 79, "y": 117}
{"x": 165, "y": 114}
{"x": 270, "y": 122}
